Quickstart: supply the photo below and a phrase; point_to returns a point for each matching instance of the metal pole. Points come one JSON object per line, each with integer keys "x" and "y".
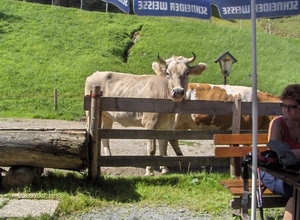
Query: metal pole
{"x": 254, "y": 111}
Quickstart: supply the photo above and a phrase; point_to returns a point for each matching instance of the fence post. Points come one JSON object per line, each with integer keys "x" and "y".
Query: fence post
{"x": 55, "y": 99}
{"x": 93, "y": 172}
{"x": 235, "y": 163}
{"x": 236, "y": 117}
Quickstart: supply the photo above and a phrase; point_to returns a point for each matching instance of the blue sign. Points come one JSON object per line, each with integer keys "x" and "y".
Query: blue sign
{"x": 181, "y": 8}
{"x": 237, "y": 9}
{"x": 121, "y": 4}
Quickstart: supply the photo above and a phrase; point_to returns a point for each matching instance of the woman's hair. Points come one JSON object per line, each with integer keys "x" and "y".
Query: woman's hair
{"x": 291, "y": 92}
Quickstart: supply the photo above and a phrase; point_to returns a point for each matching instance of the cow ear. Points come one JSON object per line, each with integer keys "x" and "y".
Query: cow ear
{"x": 158, "y": 69}
{"x": 198, "y": 69}
{"x": 160, "y": 60}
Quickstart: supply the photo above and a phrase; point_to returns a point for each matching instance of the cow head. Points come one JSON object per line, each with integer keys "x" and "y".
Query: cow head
{"x": 177, "y": 69}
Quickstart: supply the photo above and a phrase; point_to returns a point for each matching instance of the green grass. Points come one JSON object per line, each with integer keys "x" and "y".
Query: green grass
{"x": 43, "y": 47}
{"x": 198, "y": 192}
{"x": 77, "y": 196}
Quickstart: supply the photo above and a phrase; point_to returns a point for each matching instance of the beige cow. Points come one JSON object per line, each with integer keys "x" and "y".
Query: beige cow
{"x": 171, "y": 84}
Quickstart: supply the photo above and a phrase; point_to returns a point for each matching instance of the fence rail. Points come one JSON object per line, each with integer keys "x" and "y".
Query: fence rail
{"x": 183, "y": 107}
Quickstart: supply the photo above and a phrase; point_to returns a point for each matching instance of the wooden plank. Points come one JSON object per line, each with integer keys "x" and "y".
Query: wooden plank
{"x": 233, "y": 183}
{"x": 239, "y": 139}
{"x": 268, "y": 202}
{"x": 223, "y": 152}
{"x": 236, "y": 187}
{"x": 186, "y": 106}
{"x": 165, "y": 105}
{"x": 157, "y": 134}
{"x": 161, "y": 105}
{"x": 162, "y": 134}
{"x": 172, "y": 161}
{"x": 239, "y": 191}
{"x": 266, "y": 108}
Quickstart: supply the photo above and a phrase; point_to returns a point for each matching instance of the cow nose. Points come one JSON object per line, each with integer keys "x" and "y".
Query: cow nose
{"x": 177, "y": 93}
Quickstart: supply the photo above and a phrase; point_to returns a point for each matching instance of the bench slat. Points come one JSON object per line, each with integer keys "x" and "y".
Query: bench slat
{"x": 233, "y": 183}
{"x": 238, "y": 191}
{"x": 236, "y": 139}
{"x": 268, "y": 202}
{"x": 227, "y": 152}
{"x": 236, "y": 187}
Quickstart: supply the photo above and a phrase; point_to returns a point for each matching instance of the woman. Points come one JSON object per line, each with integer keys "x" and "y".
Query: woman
{"x": 286, "y": 128}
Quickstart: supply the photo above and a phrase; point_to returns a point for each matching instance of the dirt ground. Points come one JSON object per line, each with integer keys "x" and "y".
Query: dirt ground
{"x": 118, "y": 147}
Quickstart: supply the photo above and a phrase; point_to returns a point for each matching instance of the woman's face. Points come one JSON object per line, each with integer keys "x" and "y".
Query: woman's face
{"x": 290, "y": 109}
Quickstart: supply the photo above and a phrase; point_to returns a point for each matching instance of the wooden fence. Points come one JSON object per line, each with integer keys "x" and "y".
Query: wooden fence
{"x": 97, "y": 104}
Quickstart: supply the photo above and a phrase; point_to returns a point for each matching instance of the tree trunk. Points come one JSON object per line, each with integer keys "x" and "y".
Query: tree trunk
{"x": 63, "y": 149}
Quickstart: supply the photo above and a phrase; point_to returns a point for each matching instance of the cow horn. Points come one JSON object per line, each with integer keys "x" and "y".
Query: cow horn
{"x": 192, "y": 59}
{"x": 160, "y": 60}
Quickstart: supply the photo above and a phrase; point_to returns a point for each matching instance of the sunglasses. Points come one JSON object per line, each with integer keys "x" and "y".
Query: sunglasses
{"x": 289, "y": 107}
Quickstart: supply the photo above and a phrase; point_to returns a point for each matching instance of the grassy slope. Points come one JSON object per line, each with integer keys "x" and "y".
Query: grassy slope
{"x": 46, "y": 47}
{"x": 43, "y": 47}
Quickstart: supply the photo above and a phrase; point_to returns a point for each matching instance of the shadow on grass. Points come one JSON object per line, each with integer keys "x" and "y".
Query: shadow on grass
{"x": 108, "y": 188}
{"x": 9, "y": 19}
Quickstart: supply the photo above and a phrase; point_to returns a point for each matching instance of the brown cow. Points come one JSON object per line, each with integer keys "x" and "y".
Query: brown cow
{"x": 171, "y": 84}
{"x": 197, "y": 91}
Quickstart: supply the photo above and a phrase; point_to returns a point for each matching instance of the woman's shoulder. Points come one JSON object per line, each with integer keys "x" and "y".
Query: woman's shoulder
{"x": 278, "y": 124}
{"x": 277, "y": 120}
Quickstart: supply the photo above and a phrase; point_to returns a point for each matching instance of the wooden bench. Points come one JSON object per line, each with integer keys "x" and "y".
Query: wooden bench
{"x": 237, "y": 146}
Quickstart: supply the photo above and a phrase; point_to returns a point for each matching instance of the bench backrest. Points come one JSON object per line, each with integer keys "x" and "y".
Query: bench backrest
{"x": 239, "y": 144}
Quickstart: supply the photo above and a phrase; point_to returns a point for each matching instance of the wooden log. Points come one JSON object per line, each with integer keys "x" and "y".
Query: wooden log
{"x": 63, "y": 149}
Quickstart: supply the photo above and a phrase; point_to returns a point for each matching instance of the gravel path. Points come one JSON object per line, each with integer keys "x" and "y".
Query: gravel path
{"x": 131, "y": 212}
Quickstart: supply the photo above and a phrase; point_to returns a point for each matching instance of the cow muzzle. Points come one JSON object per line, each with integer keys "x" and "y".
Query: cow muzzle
{"x": 177, "y": 94}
